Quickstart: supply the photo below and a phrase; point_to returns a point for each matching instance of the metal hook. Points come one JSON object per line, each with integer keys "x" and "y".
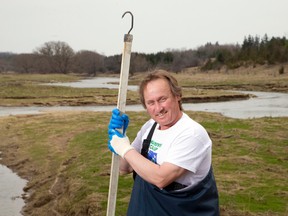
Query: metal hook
{"x": 132, "y": 21}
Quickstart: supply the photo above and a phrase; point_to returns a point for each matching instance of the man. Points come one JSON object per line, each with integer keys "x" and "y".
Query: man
{"x": 174, "y": 175}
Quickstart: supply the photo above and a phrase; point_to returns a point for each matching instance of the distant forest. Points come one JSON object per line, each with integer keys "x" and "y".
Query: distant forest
{"x": 59, "y": 57}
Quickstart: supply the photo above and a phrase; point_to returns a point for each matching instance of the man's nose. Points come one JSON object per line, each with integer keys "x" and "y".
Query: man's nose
{"x": 158, "y": 107}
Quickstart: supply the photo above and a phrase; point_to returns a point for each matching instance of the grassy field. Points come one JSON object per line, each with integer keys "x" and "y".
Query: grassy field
{"x": 64, "y": 155}
{"x": 26, "y": 89}
{"x": 65, "y": 158}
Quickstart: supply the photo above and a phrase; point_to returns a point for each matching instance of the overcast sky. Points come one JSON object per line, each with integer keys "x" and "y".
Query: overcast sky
{"x": 159, "y": 25}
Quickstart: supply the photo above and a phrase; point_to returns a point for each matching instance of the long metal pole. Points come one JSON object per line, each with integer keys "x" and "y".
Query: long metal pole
{"x": 121, "y": 104}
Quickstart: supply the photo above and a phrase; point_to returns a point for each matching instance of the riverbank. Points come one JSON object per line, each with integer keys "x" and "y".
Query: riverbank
{"x": 28, "y": 90}
{"x": 263, "y": 104}
{"x": 64, "y": 155}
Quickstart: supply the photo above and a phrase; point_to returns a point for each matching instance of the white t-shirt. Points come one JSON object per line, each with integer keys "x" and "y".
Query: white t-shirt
{"x": 185, "y": 144}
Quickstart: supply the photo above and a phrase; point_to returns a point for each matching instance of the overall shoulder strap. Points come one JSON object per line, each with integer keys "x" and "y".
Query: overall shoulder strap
{"x": 146, "y": 142}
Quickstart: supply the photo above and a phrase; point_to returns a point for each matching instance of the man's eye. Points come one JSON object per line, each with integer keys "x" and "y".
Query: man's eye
{"x": 150, "y": 103}
{"x": 162, "y": 100}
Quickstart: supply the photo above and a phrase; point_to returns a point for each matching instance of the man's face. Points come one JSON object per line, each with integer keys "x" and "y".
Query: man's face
{"x": 161, "y": 105}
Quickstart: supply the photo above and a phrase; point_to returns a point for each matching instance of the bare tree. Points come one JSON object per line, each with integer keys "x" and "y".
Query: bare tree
{"x": 113, "y": 63}
{"x": 25, "y": 62}
{"x": 138, "y": 63}
{"x": 88, "y": 62}
{"x": 6, "y": 62}
{"x": 58, "y": 54}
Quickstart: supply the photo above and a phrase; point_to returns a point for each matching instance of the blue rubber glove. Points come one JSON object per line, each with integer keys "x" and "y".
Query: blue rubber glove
{"x": 118, "y": 143}
{"x": 118, "y": 120}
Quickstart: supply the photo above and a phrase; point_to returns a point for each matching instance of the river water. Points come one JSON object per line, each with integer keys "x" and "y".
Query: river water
{"x": 11, "y": 190}
{"x": 265, "y": 104}
{"x": 269, "y": 104}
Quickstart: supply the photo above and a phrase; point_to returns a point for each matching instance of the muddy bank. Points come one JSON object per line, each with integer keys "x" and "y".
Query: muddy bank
{"x": 220, "y": 98}
{"x": 91, "y": 101}
{"x": 268, "y": 87}
{"x": 44, "y": 161}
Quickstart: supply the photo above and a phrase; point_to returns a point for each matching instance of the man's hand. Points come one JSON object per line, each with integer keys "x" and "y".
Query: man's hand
{"x": 118, "y": 120}
{"x": 118, "y": 143}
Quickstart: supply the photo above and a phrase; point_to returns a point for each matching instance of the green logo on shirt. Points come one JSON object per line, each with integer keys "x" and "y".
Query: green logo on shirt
{"x": 154, "y": 146}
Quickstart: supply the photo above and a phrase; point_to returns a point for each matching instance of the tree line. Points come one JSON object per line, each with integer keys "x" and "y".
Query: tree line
{"x": 59, "y": 57}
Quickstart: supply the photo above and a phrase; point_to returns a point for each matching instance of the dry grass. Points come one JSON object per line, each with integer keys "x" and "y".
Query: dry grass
{"x": 65, "y": 157}
{"x": 263, "y": 78}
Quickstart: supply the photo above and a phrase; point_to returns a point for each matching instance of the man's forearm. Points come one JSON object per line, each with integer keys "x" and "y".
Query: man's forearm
{"x": 125, "y": 168}
{"x": 159, "y": 175}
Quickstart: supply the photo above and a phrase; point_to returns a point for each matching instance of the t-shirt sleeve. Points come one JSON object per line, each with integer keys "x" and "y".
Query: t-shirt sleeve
{"x": 137, "y": 143}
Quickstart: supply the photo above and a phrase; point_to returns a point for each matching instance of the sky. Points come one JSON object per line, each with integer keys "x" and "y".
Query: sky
{"x": 159, "y": 25}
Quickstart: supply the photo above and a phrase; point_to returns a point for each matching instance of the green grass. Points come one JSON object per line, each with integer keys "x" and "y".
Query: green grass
{"x": 249, "y": 160}
{"x": 65, "y": 157}
{"x": 251, "y": 165}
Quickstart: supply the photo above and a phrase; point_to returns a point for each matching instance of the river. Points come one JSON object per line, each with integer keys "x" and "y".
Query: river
{"x": 265, "y": 104}
{"x": 269, "y": 104}
{"x": 11, "y": 190}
